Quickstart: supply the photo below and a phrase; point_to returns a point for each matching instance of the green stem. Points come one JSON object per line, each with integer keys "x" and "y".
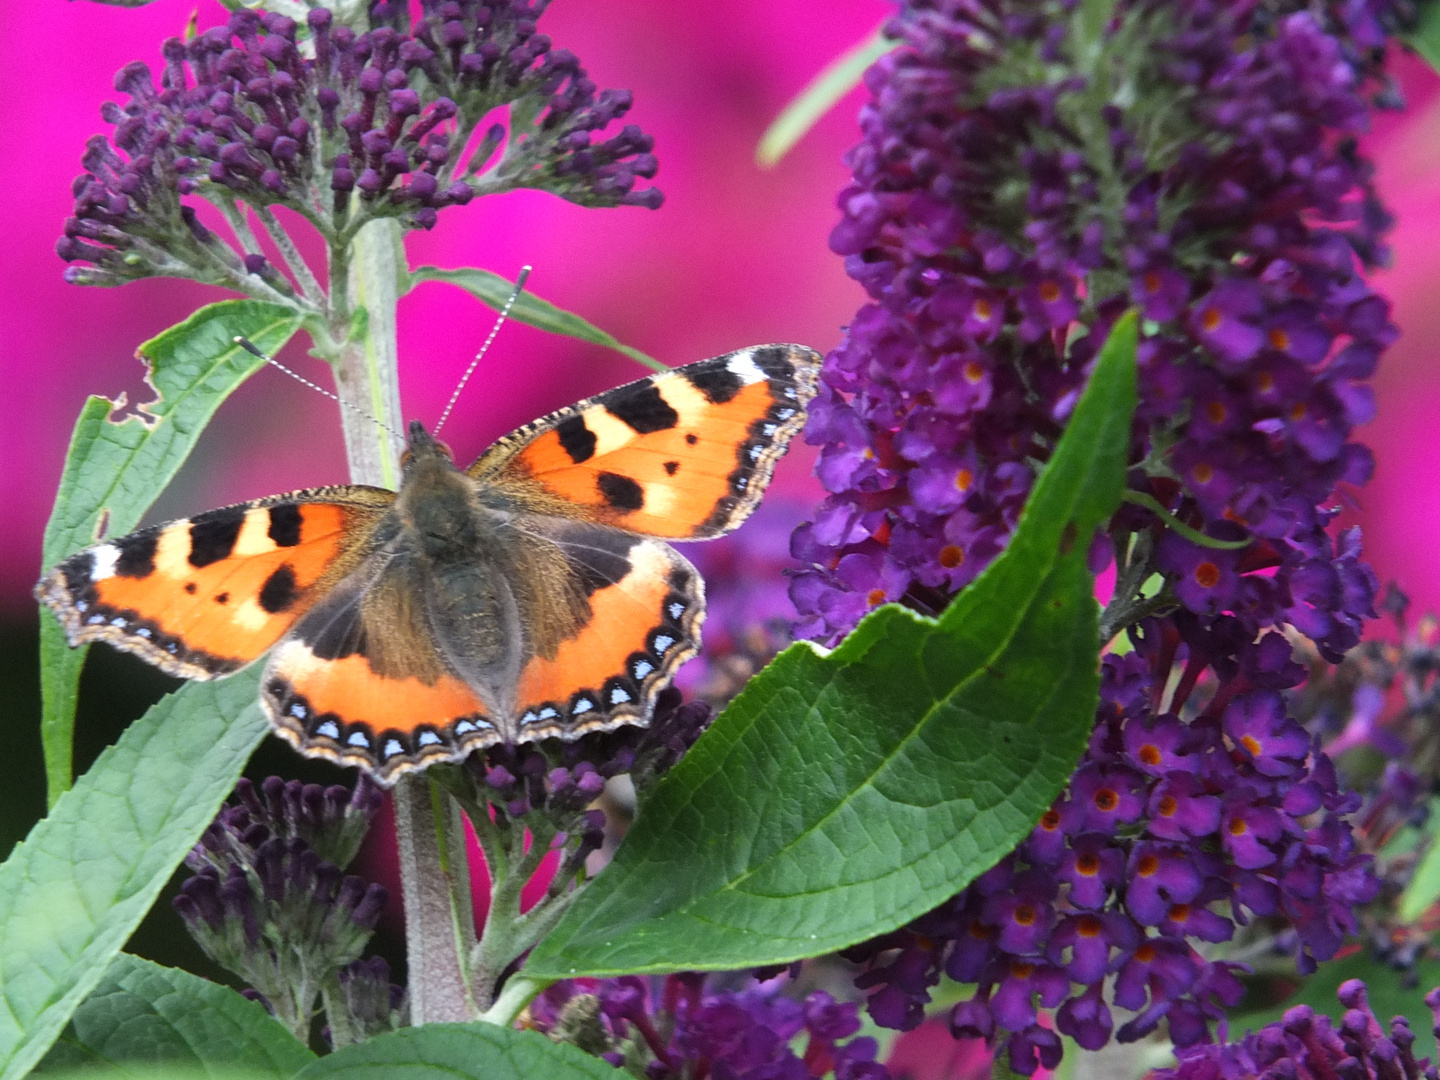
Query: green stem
{"x": 434, "y": 871}
{"x": 342, "y": 1028}
{"x": 1195, "y": 536}
{"x": 518, "y": 993}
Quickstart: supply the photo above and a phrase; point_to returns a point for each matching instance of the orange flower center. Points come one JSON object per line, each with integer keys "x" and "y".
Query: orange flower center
{"x": 963, "y": 479}
{"x": 1215, "y": 412}
{"x": 1106, "y": 800}
{"x": 1151, "y": 282}
{"x": 951, "y": 556}
{"x": 1145, "y": 953}
{"x": 982, "y": 310}
{"x": 1168, "y": 806}
{"x": 1024, "y": 915}
{"x": 1238, "y": 826}
{"x": 1279, "y": 339}
{"x": 1088, "y": 864}
{"x": 1298, "y": 412}
{"x": 1049, "y": 292}
{"x": 1210, "y": 321}
{"x": 1050, "y": 821}
{"x": 1147, "y": 865}
{"x": 974, "y": 372}
{"x": 1202, "y": 473}
{"x": 979, "y": 931}
{"x": 1266, "y": 382}
{"x": 1089, "y": 926}
{"x": 876, "y": 597}
{"x": 1249, "y": 742}
{"x": 1020, "y": 970}
{"x": 1179, "y": 912}
{"x": 1207, "y": 575}
{"x": 1149, "y": 754}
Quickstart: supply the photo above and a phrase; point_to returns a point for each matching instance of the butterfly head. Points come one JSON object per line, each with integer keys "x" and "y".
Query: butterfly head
{"x": 422, "y": 446}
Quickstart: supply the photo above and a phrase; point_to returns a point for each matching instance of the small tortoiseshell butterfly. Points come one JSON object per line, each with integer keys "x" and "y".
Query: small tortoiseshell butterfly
{"x": 530, "y": 596}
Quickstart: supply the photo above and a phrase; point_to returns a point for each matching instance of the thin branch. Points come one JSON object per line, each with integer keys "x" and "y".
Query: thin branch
{"x": 291, "y": 254}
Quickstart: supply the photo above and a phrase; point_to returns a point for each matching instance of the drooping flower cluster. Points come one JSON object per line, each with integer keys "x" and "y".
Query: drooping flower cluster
{"x": 269, "y": 899}
{"x": 1304, "y": 1046}
{"x": 677, "y": 1028}
{"x": 1026, "y": 175}
{"x": 343, "y": 127}
{"x": 994, "y": 219}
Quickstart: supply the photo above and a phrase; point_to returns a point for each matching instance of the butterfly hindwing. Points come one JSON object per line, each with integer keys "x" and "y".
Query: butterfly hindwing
{"x": 642, "y": 610}
{"x": 684, "y": 455}
{"x": 204, "y": 596}
{"x": 360, "y": 679}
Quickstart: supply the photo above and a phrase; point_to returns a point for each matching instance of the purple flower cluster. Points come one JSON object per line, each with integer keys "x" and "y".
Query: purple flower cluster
{"x": 1304, "y": 1046}
{"x": 269, "y": 899}
{"x": 1173, "y": 831}
{"x": 676, "y": 1027}
{"x": 342, "y": 127}
{"x": 1000, "y": 226}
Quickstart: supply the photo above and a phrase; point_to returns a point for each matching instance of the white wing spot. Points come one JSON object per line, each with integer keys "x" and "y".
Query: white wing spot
{"x": 102, "y": 562}
{"x": 118, "y": 621}
{"x": 81, "y": 606}
{"x": 676, "y": 610}
{"x": 393, "y": 747}
{"x": 464, "y": 726}
{"x": 643, "y": 668}
{"x": 428, "y": 738}
{"x": 144, "y": 632}
{"x": 584, "y": 705}
{"x": 663, "y": 642}
{"x": 548, "y": 713}
{"x": 756, "y": 451}
{"x": 358, "y": 739}
{"x": 618, "y": 696}
{"x": 743, "y": 364}
{"x": 329, "y": 729}
{"x": 770, "y": 429}
{"x": 785, "y": 414}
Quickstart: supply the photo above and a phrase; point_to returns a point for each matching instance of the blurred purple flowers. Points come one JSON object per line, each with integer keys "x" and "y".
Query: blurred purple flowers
{"x": 1305, "y": 1045}
{"x": 269, "y": 899}
{"x": 342, "y": 127}
{"x": 676, "y": 1028}
{"x": 1001, "y": 220}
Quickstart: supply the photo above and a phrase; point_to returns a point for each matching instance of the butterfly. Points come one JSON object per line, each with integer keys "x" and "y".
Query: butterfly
{"x": 530, "y": 596}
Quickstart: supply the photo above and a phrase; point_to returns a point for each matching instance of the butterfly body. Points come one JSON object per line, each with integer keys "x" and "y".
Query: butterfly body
{"x": 530, "y": 596}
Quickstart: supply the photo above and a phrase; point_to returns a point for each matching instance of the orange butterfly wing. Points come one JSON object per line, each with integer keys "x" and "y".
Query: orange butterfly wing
{"x": 685, "y": 455}
{"x": 205, "y": 596}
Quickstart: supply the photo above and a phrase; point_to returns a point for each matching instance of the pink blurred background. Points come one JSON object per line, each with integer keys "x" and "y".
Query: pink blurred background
{"x": 736, "y": 256}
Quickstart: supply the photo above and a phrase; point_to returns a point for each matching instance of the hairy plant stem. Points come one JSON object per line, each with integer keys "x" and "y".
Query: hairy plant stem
{"x": 434, "y": 870}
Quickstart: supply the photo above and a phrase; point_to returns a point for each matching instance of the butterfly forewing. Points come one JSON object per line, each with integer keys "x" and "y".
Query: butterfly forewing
{"x": 204, "y": 597}
{"x": 684, "y": 455}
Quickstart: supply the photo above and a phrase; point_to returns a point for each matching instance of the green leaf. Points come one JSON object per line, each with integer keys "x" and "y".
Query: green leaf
{"x": 115, "y": 469}
{"x": 842, "y": 794}
{"x": 1424, "y": 887}
{"x": 1425, "y": 37}
{"x": 1389, "y": 997}
{"x": 142, "y": 1015}
{"x": 819, "y": 96}
{"x": 459, "y": 1052}
{"x": 73, "y": 890}
{"x": 494, "y": 290}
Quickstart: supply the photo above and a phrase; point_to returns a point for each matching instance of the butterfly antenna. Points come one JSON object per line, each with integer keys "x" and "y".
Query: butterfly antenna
{"x": 254, "y": 350}
{"x": 504, "y": 313}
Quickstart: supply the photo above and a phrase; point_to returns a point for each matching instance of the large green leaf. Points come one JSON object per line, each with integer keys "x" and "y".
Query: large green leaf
{"x": 73, "y": 890}
{"x": 494, "y": 290}
{"x": 143, "y": 1015}
{"x": 845, "y": 793}
{"x": 460, "y": 1052}
{"x": 115, "y": 469}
